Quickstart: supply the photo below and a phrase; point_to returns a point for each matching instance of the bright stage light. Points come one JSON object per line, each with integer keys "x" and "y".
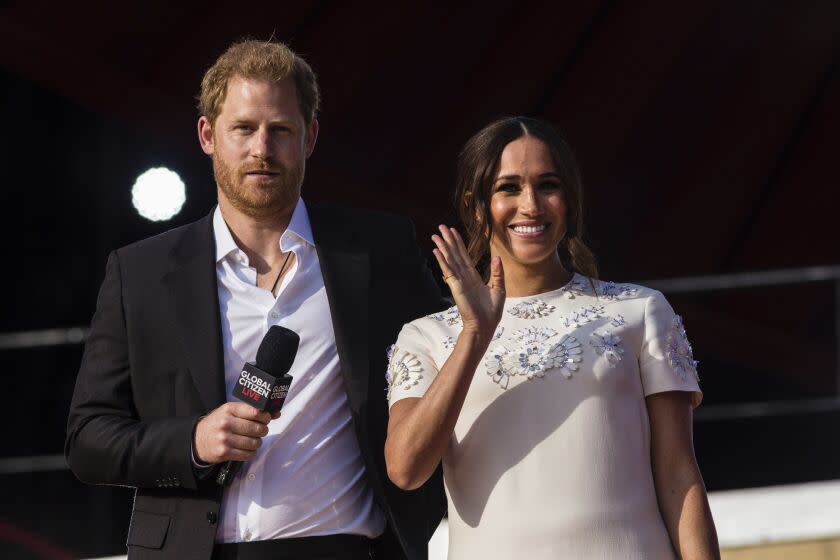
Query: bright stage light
{"x": 158, "y": 194}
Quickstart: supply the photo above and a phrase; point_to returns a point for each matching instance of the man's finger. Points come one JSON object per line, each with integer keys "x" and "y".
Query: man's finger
{"x": 243, "y": 443}
{"x": 242, "y": 427}
{"x": 248, "y": 412}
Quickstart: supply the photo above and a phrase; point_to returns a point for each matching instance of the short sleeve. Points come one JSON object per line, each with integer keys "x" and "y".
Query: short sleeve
{"x": 666, "y": 360}
{"x": 411, "y": 368}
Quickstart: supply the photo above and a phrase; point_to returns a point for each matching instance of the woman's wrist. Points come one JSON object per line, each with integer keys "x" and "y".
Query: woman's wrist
{"x": 477, "y": 337}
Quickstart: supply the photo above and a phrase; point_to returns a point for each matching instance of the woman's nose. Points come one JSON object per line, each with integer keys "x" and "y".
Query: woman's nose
{"x": 530, "y": 201}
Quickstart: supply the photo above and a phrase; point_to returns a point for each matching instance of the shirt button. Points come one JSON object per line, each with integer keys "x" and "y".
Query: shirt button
{"x": 211, "y": 517}
{"x": 252, "y": 476}
{"x": 274, "y": 315}
{"x": 246, "y": 535}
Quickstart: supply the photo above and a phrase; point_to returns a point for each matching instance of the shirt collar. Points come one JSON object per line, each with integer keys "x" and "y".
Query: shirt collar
{"x": 299, "y": 226}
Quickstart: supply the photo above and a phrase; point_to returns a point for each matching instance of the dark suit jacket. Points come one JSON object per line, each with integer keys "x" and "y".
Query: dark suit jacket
{"x": 153, "y": 365}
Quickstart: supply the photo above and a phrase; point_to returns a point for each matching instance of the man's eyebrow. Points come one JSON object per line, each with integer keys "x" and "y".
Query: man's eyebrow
{"x": 246, "y": 120}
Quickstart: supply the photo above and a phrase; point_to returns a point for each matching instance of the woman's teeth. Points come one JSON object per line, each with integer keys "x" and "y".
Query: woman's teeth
{"x": 529, "y": 229}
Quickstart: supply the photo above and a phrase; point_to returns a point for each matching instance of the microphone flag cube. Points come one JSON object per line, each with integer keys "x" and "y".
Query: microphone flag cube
{"x": 261, "y": 390}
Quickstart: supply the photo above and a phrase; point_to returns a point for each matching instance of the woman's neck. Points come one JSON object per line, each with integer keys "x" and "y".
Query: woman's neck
{"x": 527, "y": 280}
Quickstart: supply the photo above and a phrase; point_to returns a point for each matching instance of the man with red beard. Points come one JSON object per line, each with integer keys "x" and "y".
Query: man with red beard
{"x": 178, "y": 315}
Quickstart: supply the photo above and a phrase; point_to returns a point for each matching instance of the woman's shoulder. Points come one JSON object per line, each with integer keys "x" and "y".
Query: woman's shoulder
{"x": 435, "y": 325}
{"x": 605, "y": 290}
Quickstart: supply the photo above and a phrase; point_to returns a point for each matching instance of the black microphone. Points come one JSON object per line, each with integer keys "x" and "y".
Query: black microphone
{"x": 264, "y": 384}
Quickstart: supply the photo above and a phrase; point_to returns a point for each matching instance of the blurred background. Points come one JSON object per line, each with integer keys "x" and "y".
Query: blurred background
{"x": 705, "y": 131}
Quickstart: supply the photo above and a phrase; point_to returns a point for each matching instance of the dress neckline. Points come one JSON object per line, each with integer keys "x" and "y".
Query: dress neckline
{"x": 575, "y": 277}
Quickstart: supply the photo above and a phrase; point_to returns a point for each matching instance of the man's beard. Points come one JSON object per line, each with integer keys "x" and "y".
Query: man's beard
{"x": 259, "y": 199}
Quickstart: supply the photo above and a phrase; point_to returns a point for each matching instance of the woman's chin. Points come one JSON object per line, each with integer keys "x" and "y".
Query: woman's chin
{"x": 533, "y": 259}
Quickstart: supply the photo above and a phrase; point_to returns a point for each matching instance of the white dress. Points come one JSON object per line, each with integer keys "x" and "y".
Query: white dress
{"x": 550, "y": 457}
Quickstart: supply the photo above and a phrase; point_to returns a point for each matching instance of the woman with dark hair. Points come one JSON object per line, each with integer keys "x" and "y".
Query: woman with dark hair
{"x": 559, "y": 404}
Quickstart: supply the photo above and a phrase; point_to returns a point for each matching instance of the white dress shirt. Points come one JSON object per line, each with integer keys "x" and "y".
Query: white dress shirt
{"x": 308, "y": 477}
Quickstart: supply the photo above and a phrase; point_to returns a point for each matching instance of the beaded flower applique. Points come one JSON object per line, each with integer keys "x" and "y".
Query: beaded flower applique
{"x": 679, "y": 352}
{"x": 613, "y": 291}
{"x": 448, "y": 342}
{"x": 583, "y": 315}
{"x": 451, "y": 317}
{"x": 576, "y": 287}
{"x": 531, "y": 309}
{"x": 404, "y": 369}
{"x": 607, "y": 345}
{"x": 531, "y": 353}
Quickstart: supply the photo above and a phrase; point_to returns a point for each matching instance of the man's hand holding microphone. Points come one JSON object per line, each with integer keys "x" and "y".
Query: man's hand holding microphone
{"x": 233, "y": 432}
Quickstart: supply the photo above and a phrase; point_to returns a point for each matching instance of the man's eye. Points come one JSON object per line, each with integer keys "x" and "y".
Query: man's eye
{"x": 243, "y": 127}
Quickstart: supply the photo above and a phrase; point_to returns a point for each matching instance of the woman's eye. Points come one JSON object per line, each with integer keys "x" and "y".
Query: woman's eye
{"x": 508, "y": 187}
{"x": 550, "y": 186}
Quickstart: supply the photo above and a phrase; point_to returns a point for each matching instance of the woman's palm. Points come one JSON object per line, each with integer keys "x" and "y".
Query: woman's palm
{"x": 479, "y": 304}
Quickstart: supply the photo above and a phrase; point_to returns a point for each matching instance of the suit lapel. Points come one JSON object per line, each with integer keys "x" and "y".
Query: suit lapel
{"x": 346, "y": 272}
{"x": 192, "y": 283}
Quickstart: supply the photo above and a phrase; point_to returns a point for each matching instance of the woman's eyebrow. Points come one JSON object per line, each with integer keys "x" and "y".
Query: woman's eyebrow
{"x": 517, "y": 177}
{"x": 506, "y": 178}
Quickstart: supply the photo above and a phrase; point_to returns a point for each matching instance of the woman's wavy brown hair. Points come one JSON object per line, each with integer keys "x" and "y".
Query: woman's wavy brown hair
{"x": 478, "y": 167}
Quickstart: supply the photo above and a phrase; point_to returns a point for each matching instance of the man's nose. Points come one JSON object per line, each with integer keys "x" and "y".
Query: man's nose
{"x": 260, "y": 143}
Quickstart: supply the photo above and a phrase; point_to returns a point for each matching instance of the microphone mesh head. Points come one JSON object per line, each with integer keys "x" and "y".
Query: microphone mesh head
{"x": 277, "y": 350}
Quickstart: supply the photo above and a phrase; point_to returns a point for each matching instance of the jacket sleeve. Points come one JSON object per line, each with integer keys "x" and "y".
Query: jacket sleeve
{"x": 107, "y": 442}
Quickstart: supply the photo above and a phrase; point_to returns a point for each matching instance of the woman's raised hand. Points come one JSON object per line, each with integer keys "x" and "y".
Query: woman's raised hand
{"x": 480, "y": 304}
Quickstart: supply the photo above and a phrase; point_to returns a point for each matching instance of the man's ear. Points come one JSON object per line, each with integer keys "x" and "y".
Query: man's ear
{"x": 311, "y": 136}
{"x": 205, "y": 135}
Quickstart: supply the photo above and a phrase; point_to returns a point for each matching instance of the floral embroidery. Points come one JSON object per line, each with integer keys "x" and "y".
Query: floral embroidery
{"x": 498, "y": 334}
{"x": 679, "y": 351}
{"x": 532, "y": 360}
{"x": 533, "y": 334}
{"x": 448, "y": 342}
{"x": 613, "y": 291}
{"x": 533, "y": 356}
{"x": 531, "y": 309}
{"x": 451, "y": 316}
{"x": 607, "y": 345}
{"x": 404, "y": 369}
{"x": 496, "y": 367}
{"x": 577, "y": 287}
{"x": 618, "y": 320}
{"x": 566, "y": 355}
{"x": 584, "y": 315}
